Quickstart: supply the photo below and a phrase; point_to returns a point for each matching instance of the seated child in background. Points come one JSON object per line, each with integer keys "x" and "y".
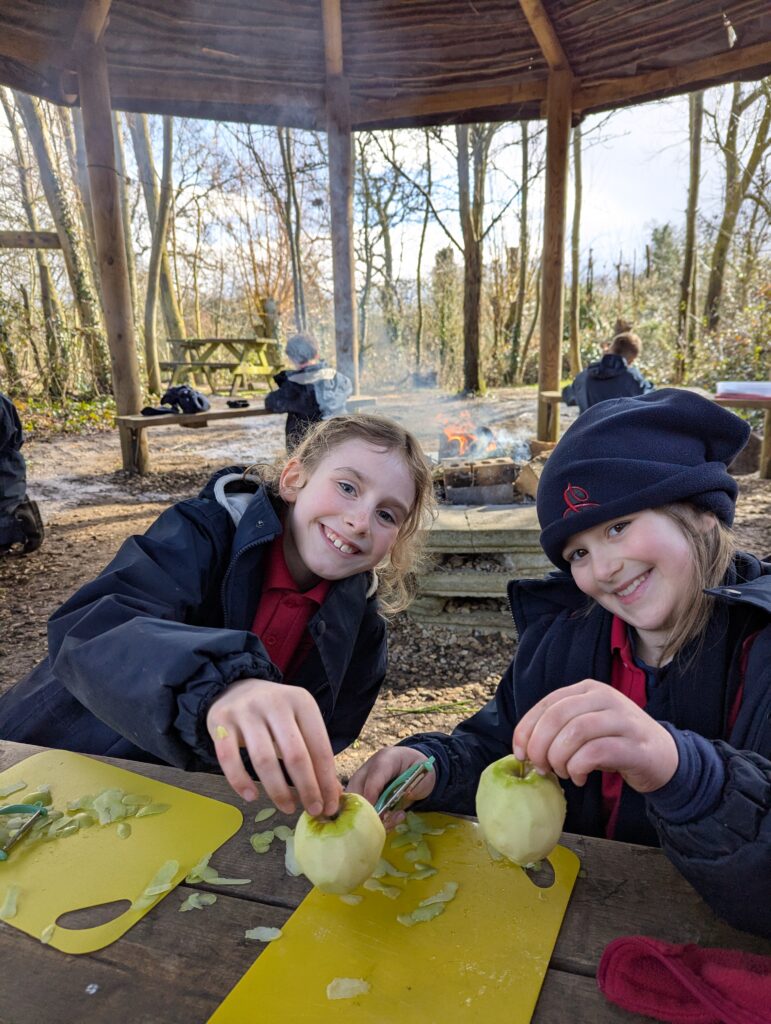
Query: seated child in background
{"x": 20, "y": 522}
{"x": 643, "y": 672}
{"x": 613, "y": 376}
{"x": 311, "y": 392}
{"x": 247, "y": 618}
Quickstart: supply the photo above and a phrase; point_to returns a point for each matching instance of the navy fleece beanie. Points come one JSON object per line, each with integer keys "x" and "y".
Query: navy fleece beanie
{"x": 629, "y": 454}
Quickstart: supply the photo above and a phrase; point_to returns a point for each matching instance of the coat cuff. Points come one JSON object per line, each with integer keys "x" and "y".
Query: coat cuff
{"x": 695, "y": 789}
{"x": 195, "y": 702}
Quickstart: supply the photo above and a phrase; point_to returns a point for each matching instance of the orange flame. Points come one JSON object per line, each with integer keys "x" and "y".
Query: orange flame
{"x": 463, "y": 433}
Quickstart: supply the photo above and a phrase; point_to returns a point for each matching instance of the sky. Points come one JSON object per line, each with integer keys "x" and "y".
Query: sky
{"x": 636, "y": 177}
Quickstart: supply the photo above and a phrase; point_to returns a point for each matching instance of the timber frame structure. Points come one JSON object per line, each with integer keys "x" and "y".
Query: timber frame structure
{"x": 343, "y": 65}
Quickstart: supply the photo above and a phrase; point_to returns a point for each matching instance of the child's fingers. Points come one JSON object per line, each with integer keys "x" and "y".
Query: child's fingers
{"x": 264, "y": 751}
{"x": 537, "y": 729}
{"x": 228, "y": 751}
{"x": 382, "y": 768}
{"x": 299, "y": 765}
{"x": 322, "y": 761}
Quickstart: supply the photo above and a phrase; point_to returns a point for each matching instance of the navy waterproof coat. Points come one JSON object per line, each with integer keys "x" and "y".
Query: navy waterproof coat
{"x": 713, "y": 819}
{"x": 315, "y": 393}
{"x": 609, "y": 377}
{"x": 137, "y": 656}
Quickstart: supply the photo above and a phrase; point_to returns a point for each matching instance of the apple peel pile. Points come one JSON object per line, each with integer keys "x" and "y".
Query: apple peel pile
{"x": 338, "y": 854}
{"x": 520, "y": 812}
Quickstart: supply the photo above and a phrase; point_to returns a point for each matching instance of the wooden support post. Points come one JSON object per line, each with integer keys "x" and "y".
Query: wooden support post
{"x": 340, "y": 152}
{"x": 110, "y": 246}
{"x": 558, "y": 112}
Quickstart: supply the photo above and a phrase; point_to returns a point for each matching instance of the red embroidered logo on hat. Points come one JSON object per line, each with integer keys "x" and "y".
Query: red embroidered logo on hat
{"x": 576, "y": 499}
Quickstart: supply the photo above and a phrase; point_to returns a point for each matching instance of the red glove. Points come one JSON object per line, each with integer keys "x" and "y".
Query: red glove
{"x": 686, "y": 984}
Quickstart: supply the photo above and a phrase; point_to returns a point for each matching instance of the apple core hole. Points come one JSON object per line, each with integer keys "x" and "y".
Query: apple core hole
{"x": 542, "y": 875}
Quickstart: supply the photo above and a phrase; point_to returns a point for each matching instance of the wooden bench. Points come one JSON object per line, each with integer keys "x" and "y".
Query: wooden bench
{"x": 131, "y": 427}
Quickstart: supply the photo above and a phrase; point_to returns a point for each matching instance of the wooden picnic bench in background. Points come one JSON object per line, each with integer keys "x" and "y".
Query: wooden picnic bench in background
{"x": 739, "y": 402}
{"x": 132, "y": 426}
{"x": 245, "y": 358}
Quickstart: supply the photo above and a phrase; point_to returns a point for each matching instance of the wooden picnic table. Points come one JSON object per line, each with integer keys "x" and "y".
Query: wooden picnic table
{"x": 174, "y": 968}
{"x": 739, "y": 402}
{"x": 243, "y": 358}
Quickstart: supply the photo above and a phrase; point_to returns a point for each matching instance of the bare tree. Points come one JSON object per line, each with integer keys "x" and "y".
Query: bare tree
{"x": 685, "y": 309}
{"x": 75, "y": 260}
{"x": 739, "y": 176}
{"x": 575, "y": 249}
{"x": 143, "y": 154}
{"x": 55, "y": 377}
{"x": 158, "y": 248}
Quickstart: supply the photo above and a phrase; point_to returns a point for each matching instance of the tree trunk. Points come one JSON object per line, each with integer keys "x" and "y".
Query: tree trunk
{"x": 143, "y": 154}
{"x": 737, "y": 186}
{"x": 575, "y": 248}
{"x": 470, "y": 210}
{"x": 72, "y": 250}
{"x": 125, "y": 211}
{"x": 57, "y": 370}
{"x": 158, "y": 247}
{"x": 291, "y": 214}
{"x": 419, "y": 269}
{"x": 516, "y": 360}
{"x": 72, "y": 133}
{"x": 685, "y": 308}
{"x": 10, "y": 363}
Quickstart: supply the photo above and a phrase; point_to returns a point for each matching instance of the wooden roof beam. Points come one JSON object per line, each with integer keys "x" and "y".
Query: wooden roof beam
{"x": 616, "y": 91}
{"x": 333, "y": 36}
{"x": 545, "y": 34}
{"x": 450, "y": 101}
{"x": 92, "y": 23}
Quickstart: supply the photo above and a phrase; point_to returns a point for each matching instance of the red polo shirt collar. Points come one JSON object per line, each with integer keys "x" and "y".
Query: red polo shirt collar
{"x": 283, "y": 613}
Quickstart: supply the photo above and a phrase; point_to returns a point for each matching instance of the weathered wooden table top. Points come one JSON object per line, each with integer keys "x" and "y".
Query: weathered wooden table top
{"x": 172, "y": 968}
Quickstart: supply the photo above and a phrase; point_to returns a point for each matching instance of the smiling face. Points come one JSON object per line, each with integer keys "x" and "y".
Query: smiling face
{"x": 638, "y": 567}
{"x": 344, "y": 516}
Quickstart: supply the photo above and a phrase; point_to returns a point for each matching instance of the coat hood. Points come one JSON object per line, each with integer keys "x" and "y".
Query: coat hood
{"x": 609, "y": 366}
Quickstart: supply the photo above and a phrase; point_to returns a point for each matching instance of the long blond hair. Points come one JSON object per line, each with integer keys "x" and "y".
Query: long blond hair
{"x": 397, "y": 575}
{"x": 712, "y": 551}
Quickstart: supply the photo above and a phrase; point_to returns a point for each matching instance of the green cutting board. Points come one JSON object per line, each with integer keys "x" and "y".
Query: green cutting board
{"x": 483, "y": 959}
{"x": 95, "y": 866}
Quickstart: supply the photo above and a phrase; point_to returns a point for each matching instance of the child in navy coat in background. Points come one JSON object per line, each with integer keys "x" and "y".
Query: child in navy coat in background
{"x": 311, "y": 392}
{"x": 643, "y": 672}
{"x": 245, "y": 621}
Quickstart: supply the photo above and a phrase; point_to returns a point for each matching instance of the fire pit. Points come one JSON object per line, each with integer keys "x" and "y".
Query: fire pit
{"x": 486, "y": 531}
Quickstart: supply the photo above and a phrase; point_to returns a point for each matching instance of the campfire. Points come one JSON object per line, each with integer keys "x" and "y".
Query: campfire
{"x": 479, "y": 467}
{"x": 462, "y": 437}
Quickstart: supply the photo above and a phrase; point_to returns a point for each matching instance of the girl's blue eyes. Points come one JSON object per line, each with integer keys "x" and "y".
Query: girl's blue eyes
{"x": 349, "y": 489}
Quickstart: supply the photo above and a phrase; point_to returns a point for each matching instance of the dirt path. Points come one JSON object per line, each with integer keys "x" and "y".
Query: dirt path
{"x": 436, "y": 676}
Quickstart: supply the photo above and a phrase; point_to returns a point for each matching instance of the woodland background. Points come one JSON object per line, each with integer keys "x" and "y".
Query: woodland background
{"x": 228, "y": 234}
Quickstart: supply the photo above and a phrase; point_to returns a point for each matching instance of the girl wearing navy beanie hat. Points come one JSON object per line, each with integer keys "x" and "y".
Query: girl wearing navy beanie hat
{"x": 642, "y": 676}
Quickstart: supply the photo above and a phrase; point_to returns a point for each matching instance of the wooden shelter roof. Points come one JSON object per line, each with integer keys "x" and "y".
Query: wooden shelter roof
{"x": 406, "y": 62}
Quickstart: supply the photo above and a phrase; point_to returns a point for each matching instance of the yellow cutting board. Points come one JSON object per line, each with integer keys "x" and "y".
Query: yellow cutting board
{"x": 483, "y": 959}
{"x": 95, "y": 866}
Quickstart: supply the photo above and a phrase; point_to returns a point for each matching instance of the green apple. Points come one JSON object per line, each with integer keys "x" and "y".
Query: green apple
{"x": 341, "y": 852}
{"x": 521, "y": 813}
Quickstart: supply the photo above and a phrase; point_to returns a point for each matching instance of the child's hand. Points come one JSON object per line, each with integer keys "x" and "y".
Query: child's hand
{"x": 274, "y": 721}
{"x": 590, "y": 726}
{"x": 382, "y": 768}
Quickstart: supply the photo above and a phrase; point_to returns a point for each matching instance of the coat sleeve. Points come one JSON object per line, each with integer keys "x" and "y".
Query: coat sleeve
{"x": 462, "y": 756}
{"x": 130, "y": 645}
{"x": 362, "y": 681}
{"x": 720, "y": 839}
